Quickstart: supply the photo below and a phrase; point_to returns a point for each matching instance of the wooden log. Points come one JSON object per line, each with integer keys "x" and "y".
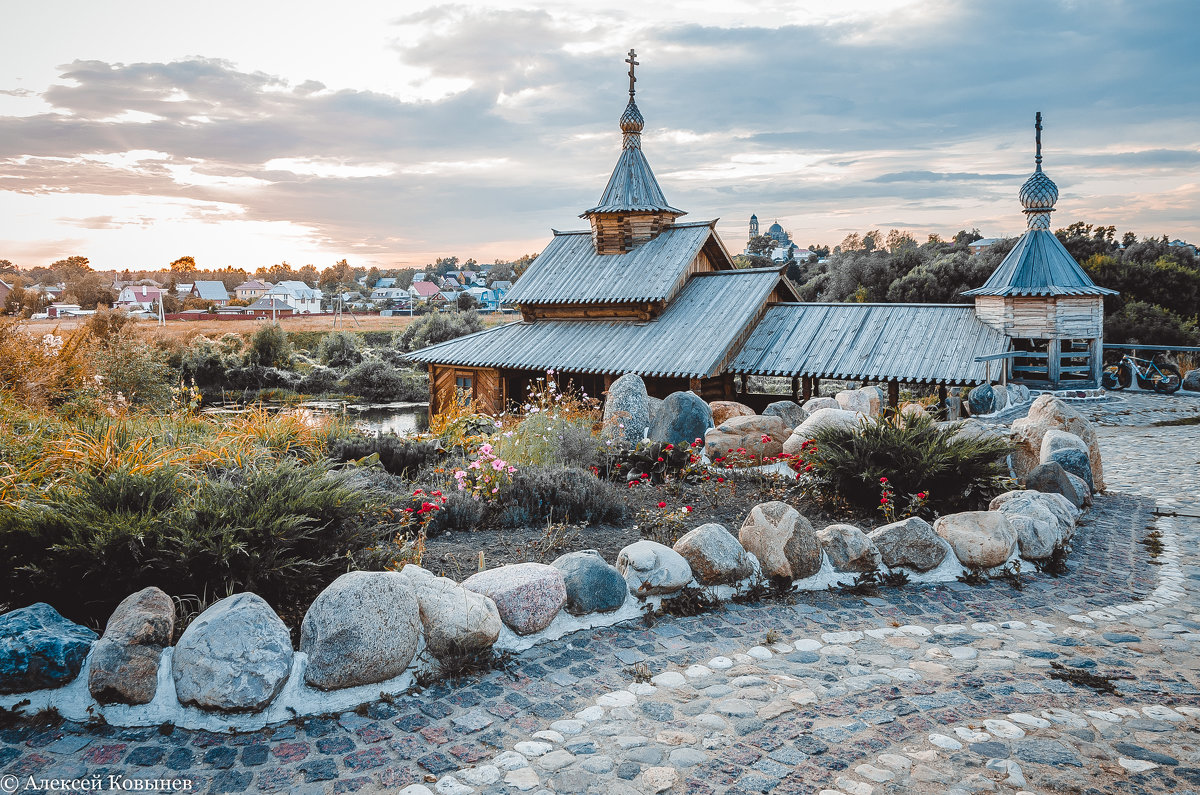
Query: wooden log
{"x": 795, "y": 389}
{"x": 816, "y": 387}
{"x": 894, "y": 394}
{"x": 808, "y": 388}
{"x": 943, "y": 409}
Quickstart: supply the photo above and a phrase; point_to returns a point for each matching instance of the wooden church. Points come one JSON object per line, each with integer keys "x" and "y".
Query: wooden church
{"x": 642, "y": 292}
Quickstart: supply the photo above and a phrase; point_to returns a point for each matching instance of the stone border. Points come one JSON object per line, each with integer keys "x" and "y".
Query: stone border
{"x": 1169, "y": 591}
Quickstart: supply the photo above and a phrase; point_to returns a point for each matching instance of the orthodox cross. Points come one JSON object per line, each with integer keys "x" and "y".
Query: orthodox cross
{"x": 631, "y": 60}
{"x": 1038, "y": 135}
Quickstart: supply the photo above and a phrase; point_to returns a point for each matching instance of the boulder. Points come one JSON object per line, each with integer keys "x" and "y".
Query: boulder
{"x": 654, "y": 404}
{"x": 788, "y": 411}
{"x": 816, "y": 404}
{"x": 1023, "y": 500}
{"x": 848, "y": 548}
{"x": 858, "y": 400}
{"x": 40, "y": 649}
{"x": 999, "y": 397}
{"x": 124, "y": 667}
{"x": 1076, "y": 463}
{"x": 682, "y": 419}
{"x": 1081, "y": 488}
{"x": 982, "y": 400}
{"x": 912, "y": 411}
{"x": 1191, "y": 380}
{"x": 818, "y": 421}
{"x": 911, "y": 543}
{"x": 1054, "y": 440}
{"x": 1038, "y": 529}
{"x": 1049, "y": 413}
{"x": 528, "y": 595}
{"x": 627, "y": 409}
{"x": 235, "y": 656}
{"x": 653, "y": 568}
{"x": 593, "y": 586}
{"x": 360, "y": 630}
{"x": 1052, "y": 478}
{"x": 456, "y": 622}
{"x": 724, "y": 409}
{"x": 1018, "y": 394}
{"x": 973, "y": 429}
{"x": 746, "y": 433}
{"x": 714, "y": 555}
{"x": 783, "y": 541}
{"x": 980, "y": 539}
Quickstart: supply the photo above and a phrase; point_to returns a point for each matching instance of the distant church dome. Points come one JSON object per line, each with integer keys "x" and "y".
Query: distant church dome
{"x": 775, "y": 229}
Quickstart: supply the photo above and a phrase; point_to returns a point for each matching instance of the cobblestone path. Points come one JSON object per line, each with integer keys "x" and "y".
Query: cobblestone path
{"x": 953, "y": 688}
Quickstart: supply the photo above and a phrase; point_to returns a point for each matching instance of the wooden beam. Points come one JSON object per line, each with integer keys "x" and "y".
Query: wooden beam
{"x": 943, "y": 409}
{"x": 694, "y": 385}
{"x": 744, "y": 379}
{"x": 795, "y": 388}
{"x": 808, "y": 388}
{"x": 816, "y": 387}
{"x": 894, "y": 394}
{"x": 1054, "y": 359}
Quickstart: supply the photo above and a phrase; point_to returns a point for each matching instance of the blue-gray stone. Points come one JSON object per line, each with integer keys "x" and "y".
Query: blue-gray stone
{"x": 627, "y": 771}
{"x": 804, "y": 657}
{"x": 681, "y": 419}
{"x": 982, "y": 399}
{"x": 1121, "y": 637}
{"x": 40, "y": 649}
{"x": 593, "y": 586}
{"x": 627, "y": 409}
{"x": 1076, "y": 462}
{"x": 1145, "y": 754}
{"x": 1051, "y": 478}
{"x": 787, "y": 410}
{"x": 991, "y": 749}
{"x": 1046, "y": 752}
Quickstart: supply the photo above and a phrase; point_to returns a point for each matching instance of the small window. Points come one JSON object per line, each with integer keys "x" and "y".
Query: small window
{"x": 464, "y": 388}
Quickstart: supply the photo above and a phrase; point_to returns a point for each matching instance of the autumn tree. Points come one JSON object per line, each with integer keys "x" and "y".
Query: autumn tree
{"x": 276, "y": 273}
{"x": 340, "y": 274}
{"x": 309, "y": 275}
{"x": 70, "y": 268}
{"x": 184, "y": 266}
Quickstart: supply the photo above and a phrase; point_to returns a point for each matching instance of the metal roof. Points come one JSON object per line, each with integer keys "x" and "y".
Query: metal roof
{"x": 210, "y": 290}
{"x": 925, "y": 343}
{"x": 1039, "y": 265}
{"x": 570, "y": 271}
{"x": 632, "y": 187}
{"x": 693, "y": 338}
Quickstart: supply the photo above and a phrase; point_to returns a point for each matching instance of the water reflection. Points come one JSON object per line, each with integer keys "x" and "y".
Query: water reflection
{"x": 402, "y": 419}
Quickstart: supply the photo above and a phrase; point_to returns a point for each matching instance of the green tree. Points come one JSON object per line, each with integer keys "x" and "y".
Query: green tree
{"x": 269, "y": 347}
{"x": 66, "y": 270}
{"x": 760, "y": 245}
{"x": 373, "y": 276}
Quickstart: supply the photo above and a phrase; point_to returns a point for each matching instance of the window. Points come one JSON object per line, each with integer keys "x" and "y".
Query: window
{"x": 464, "y": 387}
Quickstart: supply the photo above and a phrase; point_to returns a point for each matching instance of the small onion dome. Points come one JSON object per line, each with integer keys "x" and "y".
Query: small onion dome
{"x": 631, "y": 119}
{"x": 775, "y": 229}
{"x": 1039, "y": 193}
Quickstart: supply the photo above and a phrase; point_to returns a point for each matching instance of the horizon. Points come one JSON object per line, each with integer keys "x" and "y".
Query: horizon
{"x": 473, "y": 132}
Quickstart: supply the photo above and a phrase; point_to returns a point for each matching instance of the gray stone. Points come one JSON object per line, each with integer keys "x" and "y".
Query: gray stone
{"x": 1191, "y": 381}
{"x": 1081, "y": 488}
{"x": 714, "y": 555}
{"x": 1065, "y": 512}
{"x": 456, "y": 622}
{"x": 858, "y": 401}
{"x": 910, "y": 543}
{"x": 747, "y": 433}
{"x": 813, "y": 405}
{"x": 593, "y": 586}
{"x": 653, "y": 568}
{"x": 999, "y": 397}
{"x": 360, "y": 630}
{"x": 40, "y": 649}
{"x": 235, "y": 657}
{"x": 1076, "y": 463}
{"x": 790, "y": 412}
{"x": 848, "y": 548}
{"x": 980, "y": 539}
{"x": 627, "y": 409}
{"x": 1045, "y": 752}
{"x": 124, "y": 666}
{"x": 728, "y": 409}
{"x": 982, "y": 400}
{"x": 528, "y": 595}
{"x": 820, "y": 420}
{"x": 1052, "y": 478}
{"x": 1038, "y": 529}
{"x": 783, "y": 541}
{"x": 1055, "y": 439}
{"x": 682, "y": 419}
{"x": 1049, "y": 413}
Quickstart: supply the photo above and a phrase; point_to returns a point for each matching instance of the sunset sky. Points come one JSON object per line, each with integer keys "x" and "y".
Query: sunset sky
{"x": 249, "y": 133}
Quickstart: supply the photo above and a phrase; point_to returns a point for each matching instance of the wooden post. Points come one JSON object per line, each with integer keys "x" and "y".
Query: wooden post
{"x": 808, "y": 388}
{"x": 1095, "y": 361}
{"x": 943, "y": 409}
{"x": 744, "y": 387}
{"x": 894, "y": 394}
{"x": 795, "y": 389}
{"x": 694, "y": 385}
{"x": 816, "y": 387}
{"x": 1054, "y": 360}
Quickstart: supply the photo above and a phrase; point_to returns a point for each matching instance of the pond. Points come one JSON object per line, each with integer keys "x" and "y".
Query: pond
{"x": 402, "y": 419}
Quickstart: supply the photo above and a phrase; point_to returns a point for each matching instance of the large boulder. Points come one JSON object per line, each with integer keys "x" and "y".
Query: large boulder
{"x": 1081, "y": 488}
{"x": 682, "y": 419}
{"x": 858, "y": 400}
{"x": 714, "y": 555}
{"x": 362, "y": 629}
{"x": 1049, "y": 413}
{"x": 234, "y": 657}
{"x": 999, "y": 397}
{"x": 653, "y": 568}
{"x": 911, "y": 412}
{"x": 820, "y": 420}
{"x": 1021, "y": 500}
{"x": 747, "y": 433}
{"x": 528, "y": 595}
{"x": 910, "y": 543}
{"x": 1038, "y": 529}
{"x": 1052, "y": 478}
{"x": 783, "y": 541}
{"x": 980, "y": 539}
{"x": 1191, "y": 381}
{"x": 593, "y": 586}
{"x": 982, "y": 400}
{"x": 972, "y": 429}
{"x": 456, "y": 622}
{"x": 725, "y": 409}
{"x": 848, "y": 548}
{"x": 124, "y": 667}
{"x": 1054, "y": 440}
{"x": 627, "y": 409}
{"x": 40, "y": 649}
{"x": 789, "y": 411}
{"x": 816, "y": 404}
{"x": 1018, "y": 394}
{"x": 1076, "y": 463}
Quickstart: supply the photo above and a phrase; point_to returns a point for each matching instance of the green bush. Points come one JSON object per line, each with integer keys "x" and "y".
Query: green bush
{"x": 439, "y": 327}
{"x": 956, "y": 474}
{"x": 460, "y": 513}
{"x": 305, "y": 340}
{"x": 206, "y": 362}
{"x": 397, "y": 455}
{"x": 318, "y": 381}
{"x": 130, "y": 367}
{"x": 269, "y": 347}
{"x": 379, "y": 382}
{"x": 339, "y": 349}
{"x": 378, "y": 339}
{"x": 544, "y": 440}
{"x": 1150, "y": 324}
{"x": 279, "y": 528}
{"x": 564, "y": 494}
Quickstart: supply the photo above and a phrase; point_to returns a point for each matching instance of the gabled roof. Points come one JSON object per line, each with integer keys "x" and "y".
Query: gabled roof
{"x": 424, "y": 289}
{"x": 253, "y": 284}
{"x": 1039, "y": 265}
{"x": 210, "y": 290}
{"x": 386, "y": 281}
{"x": 570, "y": 271}
{"x": 296, "y": 289}
{"x": 925, "y": 343}
{"x": 693, "y": 338}
{"x": 269, "y": 304}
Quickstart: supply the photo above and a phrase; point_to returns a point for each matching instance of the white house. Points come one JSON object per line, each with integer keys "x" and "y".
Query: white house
{"x": 390, "y": 294}
{"x": 140, "y": 296}
{"x": 298, "y": 295}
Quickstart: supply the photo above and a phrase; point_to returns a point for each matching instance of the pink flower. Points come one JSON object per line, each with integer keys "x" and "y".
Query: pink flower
{"x": 662, "y": 505}
{"x": 497, "y": 464}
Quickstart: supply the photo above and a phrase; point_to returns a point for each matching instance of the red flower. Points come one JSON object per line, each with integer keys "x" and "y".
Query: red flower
{"x": 883, "y": 480}
{"x": 720, "y": 480}
{"x": 808, "y": 468}
{"x": 662, "y": 505}
{"x": 765, "y": 438}
{"x": 645, "y": 477}
{"x": 687, "y": 508}
{"x": 920, "y": 495}
{"x": 669, "y": 447}
{"x": 883, "y": 501}
{"x": 660, "y": 458}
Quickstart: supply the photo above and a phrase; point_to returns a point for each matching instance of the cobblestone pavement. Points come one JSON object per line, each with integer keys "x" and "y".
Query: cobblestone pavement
{"x": 950, "y": 688}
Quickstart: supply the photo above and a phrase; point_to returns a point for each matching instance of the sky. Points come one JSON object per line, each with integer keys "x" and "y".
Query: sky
{"x": 391, "y": 133}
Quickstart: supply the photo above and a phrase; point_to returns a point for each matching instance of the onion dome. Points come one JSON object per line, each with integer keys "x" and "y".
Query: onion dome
{"x": 1039, "y": 194}
{"x": 631, "y": 119}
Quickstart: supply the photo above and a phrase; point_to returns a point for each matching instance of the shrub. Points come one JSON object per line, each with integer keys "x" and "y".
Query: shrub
{"x": 460, "y": 512}
{"x": 269, "y": 347}
{"x": 256, "y": 377}
{"x": 43, "y": 369}
{"x": 206, "y": 362}
{"x": 318, "y": 381}
{"x": 565, "y": 494}
{"x": 397, "y": 455}
{"x": 339, "y": 349}
{"x": 439, "y": 327}
{"x": 918, "y": 458}
{"x": 131, "y": 369}
{"x": 544, "y": 439}
{"x": 378, "y": 382}
{"x": 378, "y": 339}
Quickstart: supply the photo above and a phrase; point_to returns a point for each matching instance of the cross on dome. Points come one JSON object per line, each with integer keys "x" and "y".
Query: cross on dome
{"x": 632, "y": 61}
{"x": 1039, "y": 193}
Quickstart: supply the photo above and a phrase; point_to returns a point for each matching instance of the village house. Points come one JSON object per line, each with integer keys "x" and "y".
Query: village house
{"x": 139, "y": 296}
{"x": 641, "y": 292}
{"x": 422, "y": 291}
{"x": 252, "y": 290}
{"x": 211, "y": 291}
{"x": 270, "y": 306}
{"x": 298, "y": 295}
{"x": 981, "y": 244}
